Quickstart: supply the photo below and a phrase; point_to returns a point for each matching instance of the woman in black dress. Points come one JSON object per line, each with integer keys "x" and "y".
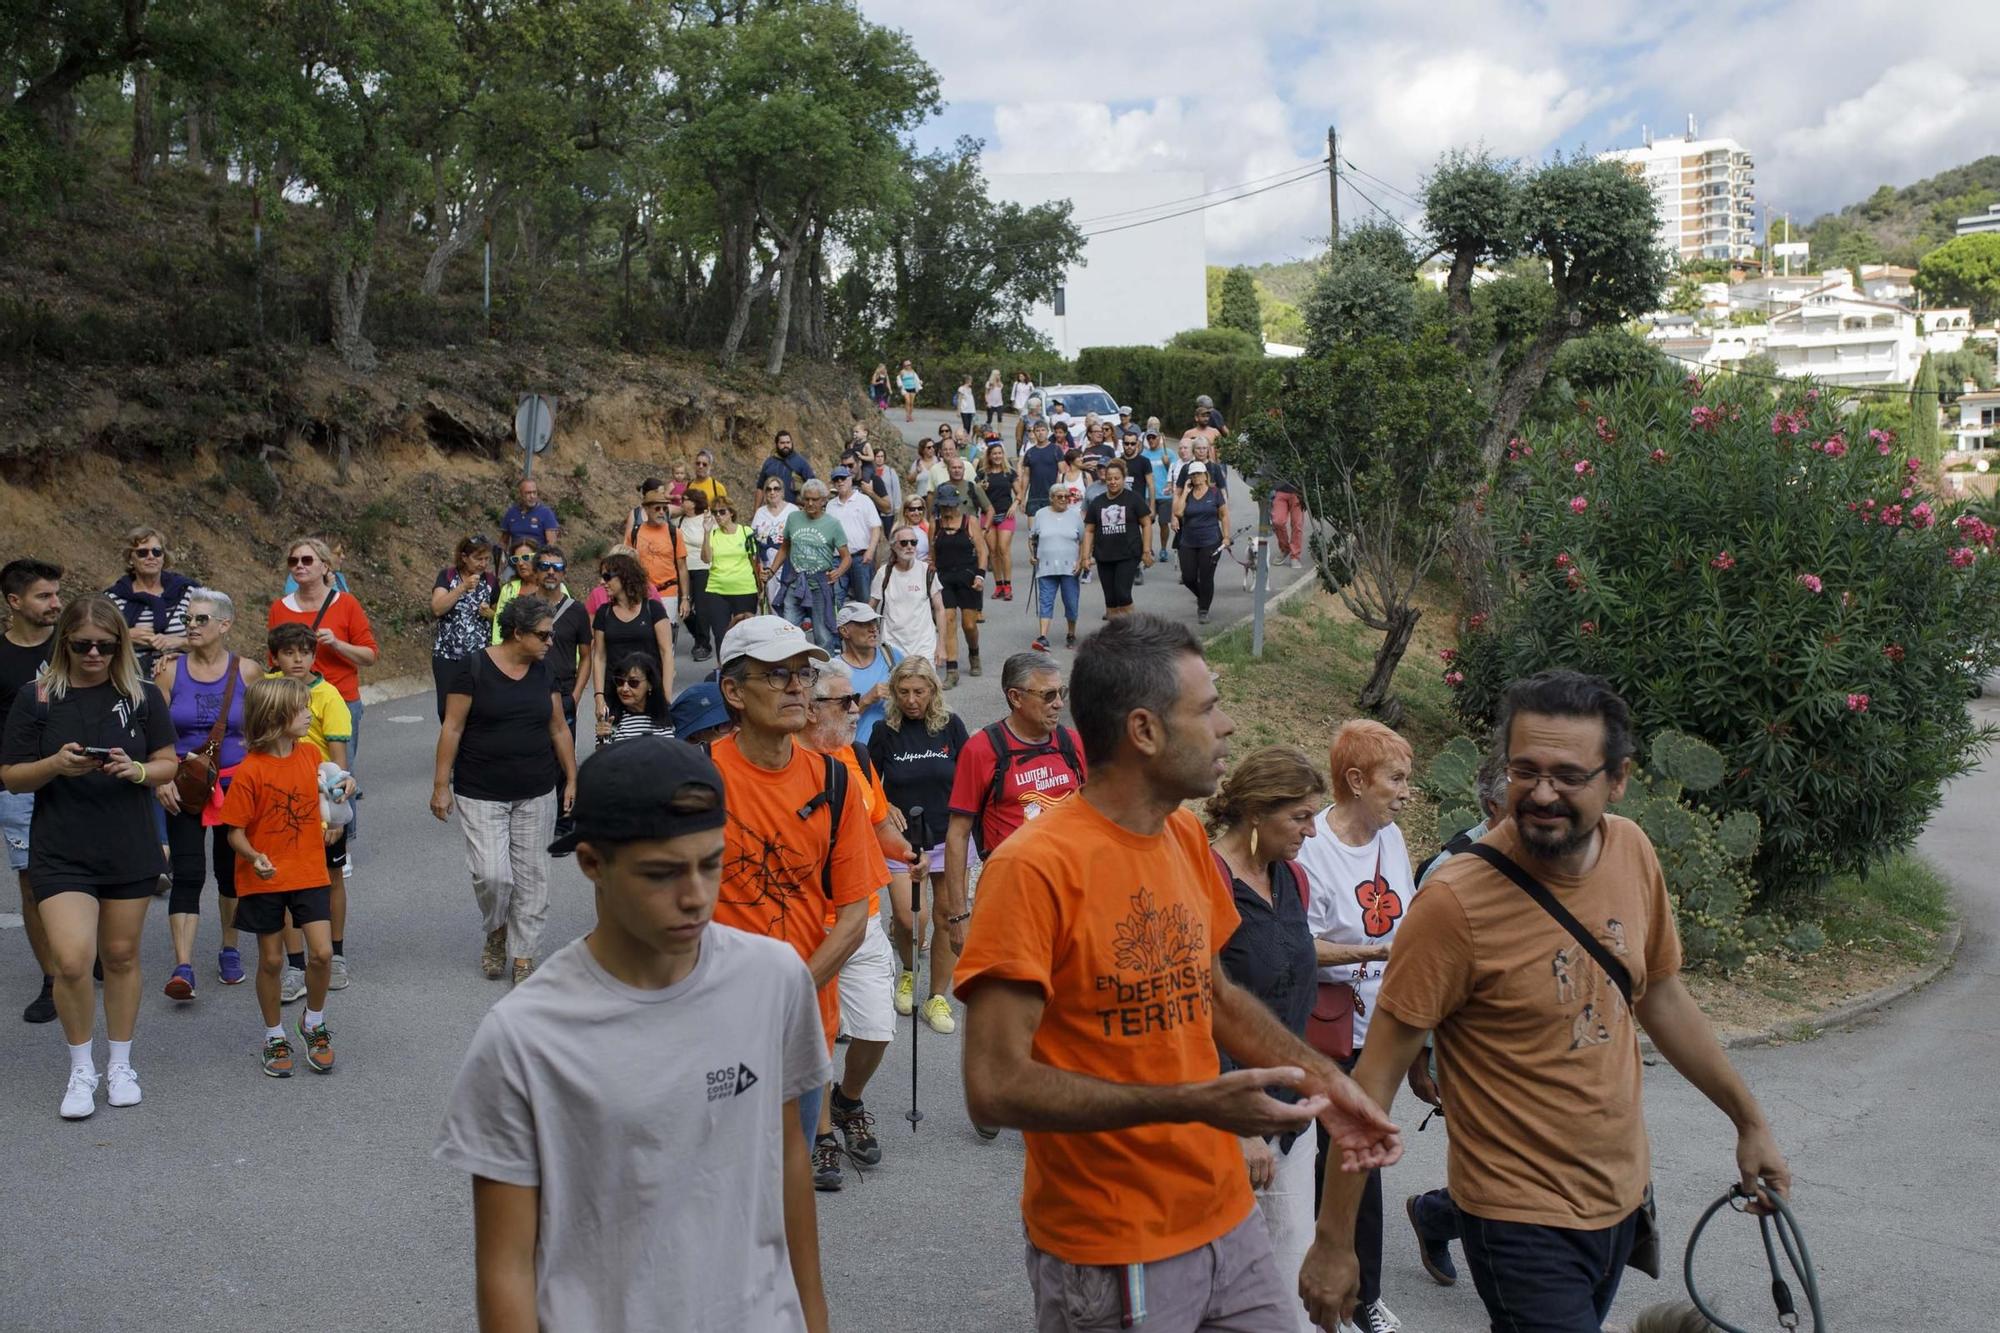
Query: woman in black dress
{"x": 632, "y": 621}
{"x": 958, "y": 554}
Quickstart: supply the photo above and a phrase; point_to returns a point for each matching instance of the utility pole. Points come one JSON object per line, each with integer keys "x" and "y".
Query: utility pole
{"x": 1333, "y": 182}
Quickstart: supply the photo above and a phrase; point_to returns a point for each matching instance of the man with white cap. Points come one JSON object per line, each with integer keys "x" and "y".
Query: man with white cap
{"x": 863, "y": 524}
{"x": 867, "y": 661}
{"x": 800, "y": 848}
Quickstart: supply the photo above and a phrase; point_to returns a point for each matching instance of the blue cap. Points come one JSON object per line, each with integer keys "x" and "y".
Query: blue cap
{"x": 698, "y": 708}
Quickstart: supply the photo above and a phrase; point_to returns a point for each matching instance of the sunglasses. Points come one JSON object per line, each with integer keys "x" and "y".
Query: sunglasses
{"x": 146, "y": 552}
{"x": 477, "y": 539}
{"x": 93, "y": 647}
{"x": 522, "y": 558}
{"x": 302, "y": 560}
{"x": 556, "y": 565}
{"x": 545, "y": 635}
{"x": 774, "y": 486}
{"x": 848, "y": 702}
{"x": 197, "y": 622}
{"x": 908, "y": 544}
{"x": 1054, "y": 696}
{"x": 635, "y": 683}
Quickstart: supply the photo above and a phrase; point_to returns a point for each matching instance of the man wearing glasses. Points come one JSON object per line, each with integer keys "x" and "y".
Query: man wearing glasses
{"x": 799, "y": 851}
{"x": 569, "y": 646}
{"x": 1535, "y": 957}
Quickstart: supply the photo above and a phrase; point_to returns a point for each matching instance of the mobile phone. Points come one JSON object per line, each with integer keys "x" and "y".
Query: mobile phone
{"x": 97, "y": 752}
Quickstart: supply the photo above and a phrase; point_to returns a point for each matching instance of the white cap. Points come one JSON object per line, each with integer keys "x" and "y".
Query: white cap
{"x": 856, "y": 613}
{"x": 768, "y": 639}
{"x": 1193, "y": 468}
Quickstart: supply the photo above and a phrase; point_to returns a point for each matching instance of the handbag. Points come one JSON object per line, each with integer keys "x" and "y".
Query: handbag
{"x": 195, "y": 775}
{"x": 1645, "y": 1255}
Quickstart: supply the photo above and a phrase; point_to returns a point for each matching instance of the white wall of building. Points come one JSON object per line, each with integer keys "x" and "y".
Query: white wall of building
{"x": 1137, "y": 286}
{"x": 1705, "y": 190}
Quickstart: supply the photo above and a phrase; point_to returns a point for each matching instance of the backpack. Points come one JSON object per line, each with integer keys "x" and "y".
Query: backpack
{"x": 1004, "y": 759}
{"x": 1458, "y": 843}
{"x": 833, "y": 798}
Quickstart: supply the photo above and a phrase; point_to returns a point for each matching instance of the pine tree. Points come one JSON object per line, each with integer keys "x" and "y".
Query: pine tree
{"x": 1925, "y": 441}
{"x": 1239, "y": 305}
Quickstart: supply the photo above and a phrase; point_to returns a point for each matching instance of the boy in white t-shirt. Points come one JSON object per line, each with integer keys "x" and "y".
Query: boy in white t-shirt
{"x": 588, "y": 1164}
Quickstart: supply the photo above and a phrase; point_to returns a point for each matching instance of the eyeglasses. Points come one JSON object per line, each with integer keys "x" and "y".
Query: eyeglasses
{"x": 636, "y": 683}
{"x": 556, "y": 565}
{"x": 782, "y": 678}
{"x": 143, "y": 552}
{"x": 848, "y": 702}
{"x": 302, "y": 561}
{"x": 1566, "y": 780}
{"x": 93, "y": 647}
{"x": 908, "y": 544}
{"x": 774, "y": 486}
{"x": 196, "y": 622}
{"x": 545, "y": 635}
{"x": 1054, "y": 696}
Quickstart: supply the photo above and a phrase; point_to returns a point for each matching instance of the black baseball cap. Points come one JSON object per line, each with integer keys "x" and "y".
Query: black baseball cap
{"x": 625, "y": 793}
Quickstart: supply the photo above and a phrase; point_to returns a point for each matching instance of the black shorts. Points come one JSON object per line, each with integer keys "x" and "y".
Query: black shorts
{"x": 264, "y": 913}
{"x": 336, "y": 851}
{"x": 961, "y": 597}
{"x": 1117, "y": 579}
{"x": 104, "y": 893}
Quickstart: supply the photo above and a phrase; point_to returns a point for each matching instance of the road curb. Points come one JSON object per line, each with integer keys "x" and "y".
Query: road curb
{"x": 1841, "y": 1015}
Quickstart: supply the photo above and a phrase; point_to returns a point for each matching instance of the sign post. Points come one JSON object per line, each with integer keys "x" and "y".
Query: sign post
{"x": 1261, "y": 555}
{"x": 534, "y": 427}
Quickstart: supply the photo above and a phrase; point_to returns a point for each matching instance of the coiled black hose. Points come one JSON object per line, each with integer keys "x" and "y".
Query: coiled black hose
{"x": 1781, "y": 1224}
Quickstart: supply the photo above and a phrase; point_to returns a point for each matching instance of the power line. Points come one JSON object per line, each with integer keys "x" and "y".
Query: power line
{"x": 1422, "y": 244}
{"x": 1392, "y": 189}
{"x": 1220, "y": 189}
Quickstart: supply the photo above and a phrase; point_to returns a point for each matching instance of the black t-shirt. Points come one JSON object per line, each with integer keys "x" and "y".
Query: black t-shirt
{"x": 1270, "y": 954}
{"x": 917, "y": 767}
{"x": 622, "y": 638}
{"x": 1117, "y": 524}
{"x": 1043, "y": 465}
{"x": 506, "y": 753}
{"x": 1138, "y": 477}
{"x": 93, "y": 829}
{"x": 19, "y": 666}
{"x": 572, "y": 631}
{"x": 999, "y": 490}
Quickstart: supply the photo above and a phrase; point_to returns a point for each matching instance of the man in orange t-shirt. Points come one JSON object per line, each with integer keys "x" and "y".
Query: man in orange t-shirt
{"x": 1095, "y": 1009}
{"x": 661, "y": 550}
{"x": 789, "y": 855}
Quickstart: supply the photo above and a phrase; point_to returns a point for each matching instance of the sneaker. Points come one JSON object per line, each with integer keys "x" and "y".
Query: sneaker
{"x": 826, "y": 1163}
{"x": 291, "y": 985}
{"x": 1376, "y": 1318}
{"x": 972, "y": 667}
{"x": 338, "y": 979}
{"x": 523, "y": 969}
{"x": 983, "y": 1132}
{"x": 493, "y": 957}
{"x": 857, "y": 1127}
{"x": 180, "y": 985}
{"x": 80, "y": 1097}
{"x": 1138, "y": 578}
{"x": 42, "y": 1009}
{"x": 1040, "y": 645}
{"x": 1201, "y": 617}
{"x": 229, "y": 967}
{"x": 319, "y": 1046}
{"x": 1069, "y": 639}
{"x": 937, "y": 1013}
{"x": 278, "y": 1058}
{"x": 906, "y": 993}
{"x": 122, "y": 1086}
{"x": 1435, "y": 1254}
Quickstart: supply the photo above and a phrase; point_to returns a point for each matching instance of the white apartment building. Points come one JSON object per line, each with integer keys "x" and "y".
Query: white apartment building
{"x": 1841, "y": 337}
{"x": 1978, "y": 419}
{"x": 1703, "y": 186}
{"x": 1987, "y": 221}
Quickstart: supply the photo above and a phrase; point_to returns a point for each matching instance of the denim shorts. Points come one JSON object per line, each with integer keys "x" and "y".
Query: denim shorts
{"x": 17, "y": 812}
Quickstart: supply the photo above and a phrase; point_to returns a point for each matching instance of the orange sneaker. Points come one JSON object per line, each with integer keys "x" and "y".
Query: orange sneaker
{"x": 278, "y": 1058}
{"x": 319, "y": 1047}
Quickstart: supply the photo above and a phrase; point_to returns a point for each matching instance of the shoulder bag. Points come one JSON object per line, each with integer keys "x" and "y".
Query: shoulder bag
{"x": 195, "y": 775}
{"x": 1645, "y": 1255}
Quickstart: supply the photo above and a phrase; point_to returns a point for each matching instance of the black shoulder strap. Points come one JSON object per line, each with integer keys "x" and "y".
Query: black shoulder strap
{"x": 834, "y": 797}
{"x": 332, "y": 594}
{"x": 1457, "y": 843}
{"x": 1535, "y": 889}
{"x": 1003, "y": 759}
{"x": 862, "y": 758}
{"x": 1067, "y": 749}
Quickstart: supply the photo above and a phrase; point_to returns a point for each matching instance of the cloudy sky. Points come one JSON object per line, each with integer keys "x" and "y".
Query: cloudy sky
{"x": 1832, "y": 97}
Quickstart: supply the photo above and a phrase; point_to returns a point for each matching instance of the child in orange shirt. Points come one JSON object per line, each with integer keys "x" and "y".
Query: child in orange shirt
{"x": 275, "y": 829}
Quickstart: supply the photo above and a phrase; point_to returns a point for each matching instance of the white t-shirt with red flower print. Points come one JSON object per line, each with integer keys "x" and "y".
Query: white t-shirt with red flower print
{"x": 1359, "y": 896}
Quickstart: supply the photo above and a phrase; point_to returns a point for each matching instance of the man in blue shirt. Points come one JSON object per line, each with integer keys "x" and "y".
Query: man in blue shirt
{"x": 1157, "y": 454}
{"x": 1042, "y": 462}
{"x": 530, "y": 520}
{"x": 787, "y": 465}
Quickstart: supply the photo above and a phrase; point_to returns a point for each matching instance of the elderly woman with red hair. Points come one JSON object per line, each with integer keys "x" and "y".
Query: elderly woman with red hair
{"x": 1358, "y": 867}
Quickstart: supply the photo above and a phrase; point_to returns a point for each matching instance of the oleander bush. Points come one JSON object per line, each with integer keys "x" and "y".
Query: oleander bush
{"x": 1772, "y": 576}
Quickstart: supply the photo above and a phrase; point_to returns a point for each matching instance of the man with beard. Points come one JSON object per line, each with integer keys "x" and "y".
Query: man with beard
{"x": 790, "y": 467}
{"x": 33, "y": 589}
{"x": 1096, "y": 1010}
{"x": 1548, "y": 1162}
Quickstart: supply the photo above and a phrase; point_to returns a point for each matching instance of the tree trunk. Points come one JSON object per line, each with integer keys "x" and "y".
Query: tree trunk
{"x": 143, "y": 100}
{"x": 349, "y": 290}
{"x": 1523, "y": 382}
{"x": 454, "y": 241}
{"x": 1376, "y": 696}
{"x": 739, "y": 322}
{"x": 1458, "y": 292}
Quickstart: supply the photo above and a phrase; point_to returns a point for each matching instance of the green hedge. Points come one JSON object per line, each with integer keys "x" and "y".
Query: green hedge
{"x": 1164, "y": 383}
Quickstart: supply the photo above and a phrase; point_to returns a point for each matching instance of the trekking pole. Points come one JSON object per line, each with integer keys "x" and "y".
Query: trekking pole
{"x": 917, "y": 871}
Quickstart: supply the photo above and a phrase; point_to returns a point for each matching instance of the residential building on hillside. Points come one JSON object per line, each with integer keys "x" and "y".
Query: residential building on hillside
{"x": 1887, "y": 282}
{"x": 1134, "y": 284}
{"x": 1987, "y": 221}
{"x": 1841, "y": 337}
{"x": 1768, "y": 295}
{"x": 1704, "y": 190}
{"x": 1978, "y": 419}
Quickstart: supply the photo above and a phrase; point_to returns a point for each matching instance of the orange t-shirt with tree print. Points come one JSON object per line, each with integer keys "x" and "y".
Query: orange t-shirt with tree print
{"x": 1119, "y": 932}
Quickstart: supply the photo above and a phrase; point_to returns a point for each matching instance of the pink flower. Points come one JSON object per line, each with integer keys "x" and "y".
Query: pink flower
{"x": 1584, "y": 468}
{"x": 1810, "y": 582}
{"x": 1893, "y": 651}
{"x": 1788, "y": 423}
{"x": 1575, "y": 579}
{"x": 1658, "y": 455}
{"x": 1812, "y": 395}
{"x": 1563, "y": 560}
{"x": 1704, "y": 418}
{"x": 1892, "y": 516}
{"x": 1477, "y": 622}
{"x": 1692, "y": 384}
{"x": 1587, "y": 627}
{"x": 1604, "y": 430}
{"x": 1974, "y": 529}
{"x": 1881, "y": 448}
{"x": 1447, "y": 655}
{"x": 1835, "y": 448}
{"x": 1857, "y": 703}
{"x": 1921, "y": 514}
{"x": 1908, "y": 492}
{"x": 1723, "y": 561}
{"x": 1454, "y": 678}
{"x": 1914, "y": 464}
{"x": 1963, "y": 556}
{"x": 1577, "y": 504}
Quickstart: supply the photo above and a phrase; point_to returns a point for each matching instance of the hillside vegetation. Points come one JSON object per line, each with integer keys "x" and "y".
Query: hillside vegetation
{"x": 1899, "y": 226}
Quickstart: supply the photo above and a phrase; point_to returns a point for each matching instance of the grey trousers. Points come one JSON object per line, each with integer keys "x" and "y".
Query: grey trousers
{"x": 1231, "y": 1285}
{"x": 507, "y": 855}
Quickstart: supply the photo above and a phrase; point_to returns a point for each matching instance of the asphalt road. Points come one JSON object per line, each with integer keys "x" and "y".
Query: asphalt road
{"x": 231, "y": 1201}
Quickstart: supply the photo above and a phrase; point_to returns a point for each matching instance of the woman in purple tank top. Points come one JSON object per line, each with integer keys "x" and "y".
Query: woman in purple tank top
{"x": 195, "y": 685}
